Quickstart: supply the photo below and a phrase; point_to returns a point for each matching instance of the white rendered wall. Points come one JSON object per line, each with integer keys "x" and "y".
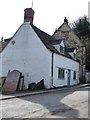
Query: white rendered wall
{"x": 66, "y": 63}
{"x": 31, "y": 57}
{"x": 28, "y": 55}
{"x": 71, "y": 53}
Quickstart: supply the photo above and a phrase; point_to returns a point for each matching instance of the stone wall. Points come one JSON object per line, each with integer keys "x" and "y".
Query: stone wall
{"x": 72, "y": 40}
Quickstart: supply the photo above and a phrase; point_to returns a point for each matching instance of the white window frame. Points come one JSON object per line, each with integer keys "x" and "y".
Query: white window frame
{"x": 61, "y": 49}
{"x": 61, "y": 74}
{"x": 74, "y": 55}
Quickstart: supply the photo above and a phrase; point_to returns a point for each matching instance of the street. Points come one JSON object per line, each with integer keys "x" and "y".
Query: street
{"x": 69, "y": 103}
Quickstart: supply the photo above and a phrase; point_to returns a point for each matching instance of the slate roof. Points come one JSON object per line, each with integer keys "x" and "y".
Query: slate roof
{"x": 4, "y": 44}
{"x": 70, "y": 49}
{"x": 46, "y": 39}
{"x": 56, "y": 42}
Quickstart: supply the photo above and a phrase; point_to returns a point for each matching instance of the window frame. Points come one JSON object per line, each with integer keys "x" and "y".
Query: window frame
{"x": 61, "y": 74}
{"x": 74, "y": 55}
{"x": 74, "y": 75}
{"x": 61, "y": 49}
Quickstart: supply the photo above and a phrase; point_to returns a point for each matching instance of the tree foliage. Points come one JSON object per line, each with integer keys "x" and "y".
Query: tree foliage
{"x": 88, "y": 54}
{"x": 82, "y": 29}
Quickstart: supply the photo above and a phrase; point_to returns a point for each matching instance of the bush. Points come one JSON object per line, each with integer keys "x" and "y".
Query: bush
{"x": 82, "y": 80}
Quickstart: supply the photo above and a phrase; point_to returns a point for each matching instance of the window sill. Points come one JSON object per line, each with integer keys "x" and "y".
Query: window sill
{"x": 61, "y": 79}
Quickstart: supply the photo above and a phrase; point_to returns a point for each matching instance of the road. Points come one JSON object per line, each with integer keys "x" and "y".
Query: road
{"x": 72, "y": 103}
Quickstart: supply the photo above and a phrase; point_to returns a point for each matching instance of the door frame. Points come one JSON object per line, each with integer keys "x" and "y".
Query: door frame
{"x": 68, "y": 77}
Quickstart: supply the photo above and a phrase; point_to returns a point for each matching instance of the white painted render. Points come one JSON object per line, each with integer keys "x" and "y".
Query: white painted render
{"x": 57, "y": 47}
{"x": 71, "y": 53}
{"x": 26, "y": 53}
{"x": 65, "y": 63}
{"x": 62, "y": 44}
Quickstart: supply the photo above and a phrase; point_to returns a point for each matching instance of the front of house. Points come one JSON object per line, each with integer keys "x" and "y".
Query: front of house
{"x": 65, "y": 71}
{"x": 72, "y": 40}
{"x": 38, "y": 56}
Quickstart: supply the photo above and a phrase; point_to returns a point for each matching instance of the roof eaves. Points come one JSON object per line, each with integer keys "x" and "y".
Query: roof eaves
{"x": 45, "y": 38}
{"x": 61, "y": 27}
{"x": 47, "y": 42}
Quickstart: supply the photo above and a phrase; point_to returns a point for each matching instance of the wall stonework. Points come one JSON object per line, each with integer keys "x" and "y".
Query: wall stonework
{"x": 72, "y": 40}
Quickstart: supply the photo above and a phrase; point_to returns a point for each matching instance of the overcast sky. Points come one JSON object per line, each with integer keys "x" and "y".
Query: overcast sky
{"x": 49, "y": 14}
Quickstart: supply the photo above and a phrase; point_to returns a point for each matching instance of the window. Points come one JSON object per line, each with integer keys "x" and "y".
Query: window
{"x": 61, "y": 73}
{"x": 74, "y": 55}
{"x": 74, "y": 75}
{"x": 61, "y": 49}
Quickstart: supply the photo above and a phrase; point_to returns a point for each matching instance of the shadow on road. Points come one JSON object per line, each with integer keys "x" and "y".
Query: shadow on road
{"x": 52, "y": 102}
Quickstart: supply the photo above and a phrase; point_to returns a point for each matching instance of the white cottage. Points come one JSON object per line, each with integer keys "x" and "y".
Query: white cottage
{"x": 37, "y": 56}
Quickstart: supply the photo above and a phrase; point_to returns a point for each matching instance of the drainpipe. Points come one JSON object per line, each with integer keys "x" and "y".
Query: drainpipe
{"x": 52, "y": 69}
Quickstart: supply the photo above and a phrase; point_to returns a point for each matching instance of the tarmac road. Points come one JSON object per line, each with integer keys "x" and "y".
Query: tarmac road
{"x": 68, "y": 103}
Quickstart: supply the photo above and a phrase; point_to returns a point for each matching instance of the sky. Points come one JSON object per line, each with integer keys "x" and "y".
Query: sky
{"x": 49, "y": 14}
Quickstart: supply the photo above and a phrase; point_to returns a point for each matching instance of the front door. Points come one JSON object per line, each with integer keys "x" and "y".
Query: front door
{"x": 69, "y": 76}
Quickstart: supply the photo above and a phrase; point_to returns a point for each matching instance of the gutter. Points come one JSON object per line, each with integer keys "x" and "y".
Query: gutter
{"x": 52, "y": 70}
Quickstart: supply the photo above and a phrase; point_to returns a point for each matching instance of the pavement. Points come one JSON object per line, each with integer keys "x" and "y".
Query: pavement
{"x": 17, "y": 95}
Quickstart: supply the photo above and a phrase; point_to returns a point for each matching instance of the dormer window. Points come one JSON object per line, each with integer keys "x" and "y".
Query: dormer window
{"x": 72, "y": 52}
{"x": 74, "y": 55}
{"x": 61, "y": 49}
{"x": 59, "y": 45}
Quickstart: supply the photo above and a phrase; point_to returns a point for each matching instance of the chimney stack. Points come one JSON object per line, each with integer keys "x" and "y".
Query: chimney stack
{"x": 28, "y": 15}
{"x": 66, "y": 20}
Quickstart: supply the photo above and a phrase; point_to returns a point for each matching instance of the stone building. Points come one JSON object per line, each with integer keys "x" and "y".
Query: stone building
{"x": 71, "y": 40}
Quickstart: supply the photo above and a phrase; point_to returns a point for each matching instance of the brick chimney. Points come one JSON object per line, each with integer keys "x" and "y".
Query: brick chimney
{"x": 28, "y": 15}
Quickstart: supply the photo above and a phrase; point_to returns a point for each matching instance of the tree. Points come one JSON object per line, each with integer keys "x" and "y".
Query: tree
{"x": 88, "y": 55}
{"x": 82, "y": 29}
